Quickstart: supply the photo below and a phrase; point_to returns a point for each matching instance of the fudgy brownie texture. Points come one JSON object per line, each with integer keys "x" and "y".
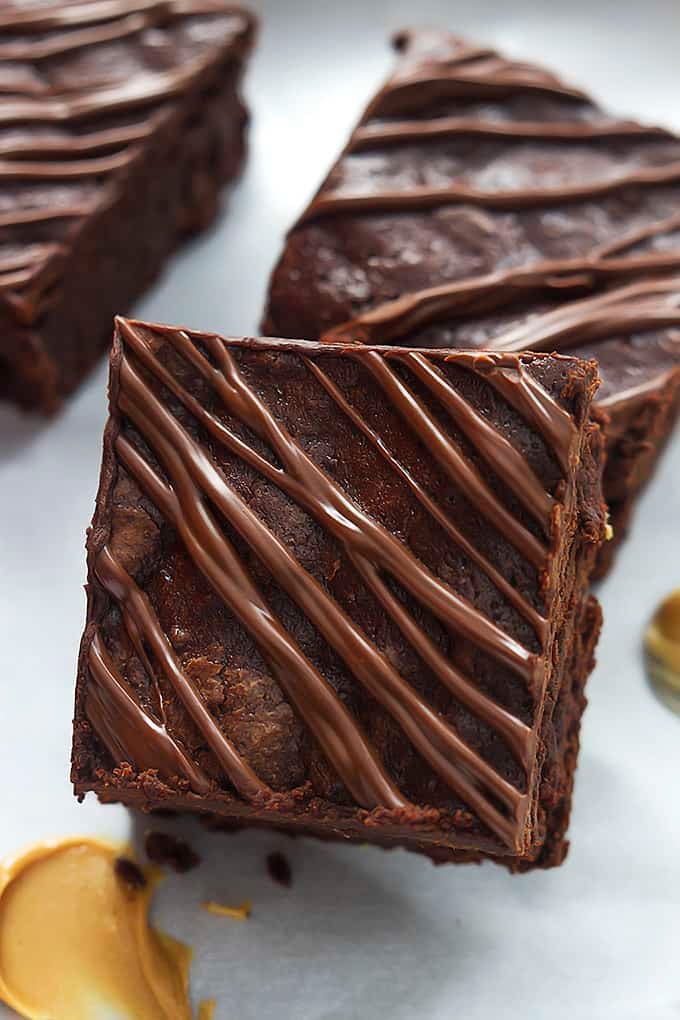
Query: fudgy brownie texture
{"x": 343, "y": 590}
{"x": 555, "y": 794}
{"x": 119, "y": 124}
{"x": 477, "y": 194}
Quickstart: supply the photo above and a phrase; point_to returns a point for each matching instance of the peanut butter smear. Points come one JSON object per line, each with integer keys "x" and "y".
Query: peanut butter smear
{"x": 662, "y": 647}
{"x": 75, "y": 939}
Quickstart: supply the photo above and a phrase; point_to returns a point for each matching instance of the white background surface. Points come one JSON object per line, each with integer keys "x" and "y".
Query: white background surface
{"x": 365, "y": 934}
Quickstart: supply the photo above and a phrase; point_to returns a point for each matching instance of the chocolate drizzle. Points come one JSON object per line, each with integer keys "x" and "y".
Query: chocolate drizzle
{"x": 538, "y": 623}
{"x": 125, "y": 727}
{"x": 145, "y": 632}
{"x": 193, "y": 494}
{"x": 647, "y": 304}
{"x": 367, "y": 136}
{"x": 412, "y": 197}
{"x": 497, "y": 451}
{"x": 455, "y": 465}
{"x": 44, "y": 135}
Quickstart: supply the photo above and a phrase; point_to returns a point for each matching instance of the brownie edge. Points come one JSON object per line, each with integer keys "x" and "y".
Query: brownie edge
{"x": 121, "y": 122}
{"x": 340, "y": 590}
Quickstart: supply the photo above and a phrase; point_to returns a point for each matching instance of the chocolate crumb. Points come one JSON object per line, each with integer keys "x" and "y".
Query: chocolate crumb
{"x": 128, "y": 872}
{"x": 166, "y": 850}
{"x": 279, "y": 869}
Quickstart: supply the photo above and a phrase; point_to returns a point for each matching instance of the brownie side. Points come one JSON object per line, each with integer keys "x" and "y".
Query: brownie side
{"x": 559, "y": 773}
{"x": 632, "y": 455}
{"x": 228, "y": 668}
{"x": 467, "y": 166}
{"x": 55, "y": 330}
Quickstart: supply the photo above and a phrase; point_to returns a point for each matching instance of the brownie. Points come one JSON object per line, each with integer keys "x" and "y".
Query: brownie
{"x": 477, "y": 192}
{"x": 119, "y": 123}
{"x": 343, "y": 590}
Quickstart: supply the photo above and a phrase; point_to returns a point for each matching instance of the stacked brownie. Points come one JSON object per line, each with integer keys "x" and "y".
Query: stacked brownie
{"x": 343, "y": 590}
{"x": 484, "y": 202}
{"x": 119, "y": 123}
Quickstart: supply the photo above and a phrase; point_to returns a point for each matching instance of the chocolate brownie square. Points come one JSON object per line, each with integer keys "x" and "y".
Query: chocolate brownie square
{"x": 343, "y": 590}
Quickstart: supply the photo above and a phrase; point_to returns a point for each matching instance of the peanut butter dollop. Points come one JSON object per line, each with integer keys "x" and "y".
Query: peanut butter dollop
{"x": 75, "y": 939}
{"x": 662, "y": 647}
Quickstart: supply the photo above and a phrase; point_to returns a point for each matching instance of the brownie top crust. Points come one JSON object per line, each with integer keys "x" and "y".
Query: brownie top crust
{"x": 474, "y": 184}
{"x": 82, "y": 86}
{"x": 335, "y": 578}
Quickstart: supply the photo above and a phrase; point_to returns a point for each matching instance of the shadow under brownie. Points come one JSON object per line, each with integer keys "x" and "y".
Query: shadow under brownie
{"x": 473, "y": 183}
{"x": 119, "y": 124}
{"x": 343, "y": 590}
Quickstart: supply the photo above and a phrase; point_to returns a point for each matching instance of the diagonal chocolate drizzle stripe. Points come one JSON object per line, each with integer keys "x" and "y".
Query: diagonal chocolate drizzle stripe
{"x": 64, "y": 212}
{"x": 329, "y": 203}
{"x": 331, "y": 724}
{"x": 538, "y": 623}
{"x": 647, "y": 304}
{"x": 138, "y": 609}
{"x": 633, "y": 237}
{"x": 461, "y": 768}
{"x": 355, "y": 530}
{"x": 447, "y": 454}
{"x": 70, "y": 145}
{"x": 393, "y": 320}
{"x": 516, "y": 733}
{"x": 485, "y": 76}
{"x": 368, "y": 136}
{"x": 497, "y": 451}
{"x": 125, "y": 728}
{"x": 107, "y": 563}
{"x": 16, "y": 170}
{"x": 531, "y": 401}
